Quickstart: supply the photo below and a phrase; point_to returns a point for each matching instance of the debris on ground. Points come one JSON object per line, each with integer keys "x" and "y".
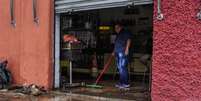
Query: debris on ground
{"x": 29, "y": 89}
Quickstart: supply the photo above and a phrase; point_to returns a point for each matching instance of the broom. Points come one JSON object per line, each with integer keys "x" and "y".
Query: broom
{"x": 106, "y": 66}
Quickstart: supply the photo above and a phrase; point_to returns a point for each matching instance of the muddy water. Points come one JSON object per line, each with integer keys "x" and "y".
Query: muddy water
{"x": 41, "y": 98}
{"x": 137, "y": 92}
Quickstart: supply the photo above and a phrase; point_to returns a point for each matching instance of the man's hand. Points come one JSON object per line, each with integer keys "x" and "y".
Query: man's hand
{"x": 127, "y": 46}
{"x": 112, "y": 53}
{"x": 126, "y": 52}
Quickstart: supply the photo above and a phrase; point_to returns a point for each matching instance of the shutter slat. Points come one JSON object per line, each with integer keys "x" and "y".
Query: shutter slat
{"x": 62, "y": 6}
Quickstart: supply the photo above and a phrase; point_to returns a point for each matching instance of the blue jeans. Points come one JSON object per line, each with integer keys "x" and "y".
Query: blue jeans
{"x": 122, "y": 62}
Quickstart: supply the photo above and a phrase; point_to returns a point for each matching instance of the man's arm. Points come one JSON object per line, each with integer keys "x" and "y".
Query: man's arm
{"x": 128, "y": 43}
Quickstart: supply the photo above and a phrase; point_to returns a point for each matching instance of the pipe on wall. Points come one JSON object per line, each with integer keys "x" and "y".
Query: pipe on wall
{"x": 12, "y": 15}
{"x": 159, "y": 12}
{"x": 35, "y": 15}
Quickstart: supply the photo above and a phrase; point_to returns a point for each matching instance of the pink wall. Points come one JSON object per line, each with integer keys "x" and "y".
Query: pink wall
{"x": 28, "y": 47}
{"x": 10, "y": 38}
{"x": 177, "y": 52}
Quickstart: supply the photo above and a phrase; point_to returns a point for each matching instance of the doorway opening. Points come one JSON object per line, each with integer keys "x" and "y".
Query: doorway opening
{"x": 94, "y": 29}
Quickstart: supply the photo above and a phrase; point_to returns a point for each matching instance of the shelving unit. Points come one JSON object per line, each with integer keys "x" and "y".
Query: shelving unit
{"x": 98, "y": 41}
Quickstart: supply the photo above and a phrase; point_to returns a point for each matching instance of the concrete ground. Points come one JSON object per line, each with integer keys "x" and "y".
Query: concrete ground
{"x": 53, "y": 96}
{"x": 137, "y": 92}
{"x": 109, "y": 93}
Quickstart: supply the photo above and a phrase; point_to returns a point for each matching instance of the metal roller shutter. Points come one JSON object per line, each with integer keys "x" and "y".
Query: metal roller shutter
{"x": 62, "y": 6}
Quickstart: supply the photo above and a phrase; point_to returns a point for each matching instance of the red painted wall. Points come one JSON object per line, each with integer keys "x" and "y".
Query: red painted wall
{"x": 177, "y": 52}
{"x": 28, "y": 47}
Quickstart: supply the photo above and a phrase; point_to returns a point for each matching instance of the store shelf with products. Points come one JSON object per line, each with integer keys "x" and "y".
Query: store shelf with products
{"x": 81, "y": 26}
{"x": 135, "y": 66}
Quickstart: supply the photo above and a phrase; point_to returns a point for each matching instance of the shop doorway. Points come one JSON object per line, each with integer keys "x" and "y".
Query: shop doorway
{"x": 94, "y": 28}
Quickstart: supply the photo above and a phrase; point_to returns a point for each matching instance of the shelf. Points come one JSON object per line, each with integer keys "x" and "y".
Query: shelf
{"x": 71, "y": 49}
{"x": 78, "y": 29}
{"x": 88, "y": 70}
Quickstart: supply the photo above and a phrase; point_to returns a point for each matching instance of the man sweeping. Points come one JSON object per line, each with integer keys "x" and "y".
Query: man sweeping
{"x": 121, "y": 52}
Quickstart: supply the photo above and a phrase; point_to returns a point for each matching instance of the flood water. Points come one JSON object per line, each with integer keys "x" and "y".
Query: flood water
{"x": 13, "y": 97}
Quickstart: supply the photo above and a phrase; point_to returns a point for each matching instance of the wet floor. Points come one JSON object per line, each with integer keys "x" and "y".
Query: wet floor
{"x": 9, "y": 96}
{"x": 137, "y": 92}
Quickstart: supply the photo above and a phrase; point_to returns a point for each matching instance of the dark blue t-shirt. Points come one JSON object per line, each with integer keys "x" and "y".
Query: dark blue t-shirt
{"x": 121, "y": 41}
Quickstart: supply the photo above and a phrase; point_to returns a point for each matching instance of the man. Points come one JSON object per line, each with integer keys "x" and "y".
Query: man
{"x": 121, "y": 51}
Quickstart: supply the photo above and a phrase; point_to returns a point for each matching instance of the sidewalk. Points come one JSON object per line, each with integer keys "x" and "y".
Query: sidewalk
{"x": 108, "y": 93}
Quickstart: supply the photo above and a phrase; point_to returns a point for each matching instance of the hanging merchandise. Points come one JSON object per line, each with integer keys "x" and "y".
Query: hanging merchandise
{"x": 159, "y": 13}
{"x": 88, "y": 24}
{"x": 13, "y": 21}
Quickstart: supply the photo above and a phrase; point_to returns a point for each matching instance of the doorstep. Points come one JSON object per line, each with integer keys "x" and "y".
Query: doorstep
{"x": 137, "y": 92}
{"x": 92, "y": 98}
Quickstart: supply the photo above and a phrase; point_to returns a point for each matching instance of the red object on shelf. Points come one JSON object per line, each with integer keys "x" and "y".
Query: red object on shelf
{"x": 70, "y": 38}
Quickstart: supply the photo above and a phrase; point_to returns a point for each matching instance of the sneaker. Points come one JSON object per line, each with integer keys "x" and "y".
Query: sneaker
{"x": 118, "y": 85}
{"x": 126, "y": 85}
{"x": 123, "y": 86}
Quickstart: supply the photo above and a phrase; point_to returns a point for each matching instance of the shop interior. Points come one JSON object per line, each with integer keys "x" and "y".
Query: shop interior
{"x": 95, "y": 31}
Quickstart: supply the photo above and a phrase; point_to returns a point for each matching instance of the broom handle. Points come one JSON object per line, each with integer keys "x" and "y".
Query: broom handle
{"x": 106, "y": 66}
